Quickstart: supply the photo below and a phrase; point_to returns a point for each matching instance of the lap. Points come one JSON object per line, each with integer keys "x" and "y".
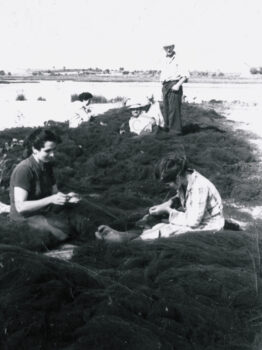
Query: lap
{"x": 169, "y": 230}
{"x": 159, "y": 230}
{"x": 50, "y": 223}
{"x": 66, "y": 221}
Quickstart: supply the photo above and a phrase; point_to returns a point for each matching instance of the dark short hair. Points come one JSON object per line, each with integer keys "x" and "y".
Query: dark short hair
{"x": 39, "y": 137}
{"x": 85, "y": 96}
{"x": 170, "y": 166}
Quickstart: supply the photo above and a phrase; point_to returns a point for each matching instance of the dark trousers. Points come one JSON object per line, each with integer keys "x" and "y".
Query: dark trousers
{"x": 59, "y": 223}
{"x": 63, "y": 222}
{"x": 172, "y": 101}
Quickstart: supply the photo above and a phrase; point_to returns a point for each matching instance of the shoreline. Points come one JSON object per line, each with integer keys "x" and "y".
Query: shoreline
{"x": 120, "y": 79}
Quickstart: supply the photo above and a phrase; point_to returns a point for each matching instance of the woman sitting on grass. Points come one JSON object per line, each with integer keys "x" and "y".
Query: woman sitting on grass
{"x": 82, "y": 112}
{"x": 34, "y": 196}
{"x": 146, "y": 116}
{"x": 198, "y": 205}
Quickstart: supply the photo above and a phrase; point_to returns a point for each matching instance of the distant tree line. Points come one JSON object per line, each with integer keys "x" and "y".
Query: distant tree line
{"x": 2, "y": 73}
{"x": 95, "y": 71}
{"x": 254, "y": 70}
{"x": 206, "y": 74}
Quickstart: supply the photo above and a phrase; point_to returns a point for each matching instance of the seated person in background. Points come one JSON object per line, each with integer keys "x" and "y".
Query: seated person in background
{"x": 200, "y": 206}
{"x": 146, "y": 116}
{"x": 82, "y": 112}
{"x": 34, "y": 195}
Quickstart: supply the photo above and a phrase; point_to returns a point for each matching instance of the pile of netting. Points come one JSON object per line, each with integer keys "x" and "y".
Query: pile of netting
{"x": 95, "y": 159}
{"x": 191, "y": 292}
{"x": 196, "y": 291}
{"x": 115, "y": 173}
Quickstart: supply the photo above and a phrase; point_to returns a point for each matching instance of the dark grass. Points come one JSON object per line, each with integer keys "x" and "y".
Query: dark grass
{"x": 40, "y": 98}
{"x": 196, "y": 291}
{"x": 192, "y": 292}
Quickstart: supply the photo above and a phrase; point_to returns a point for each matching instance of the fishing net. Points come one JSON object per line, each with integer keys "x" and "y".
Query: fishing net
{"x": 195, "y": 291}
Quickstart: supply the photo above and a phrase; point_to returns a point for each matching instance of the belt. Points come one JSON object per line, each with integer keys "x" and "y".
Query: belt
{"x": 170, "y": 81}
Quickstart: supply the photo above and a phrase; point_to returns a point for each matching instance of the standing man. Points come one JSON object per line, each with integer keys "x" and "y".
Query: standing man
{"x": 172, "y": 77}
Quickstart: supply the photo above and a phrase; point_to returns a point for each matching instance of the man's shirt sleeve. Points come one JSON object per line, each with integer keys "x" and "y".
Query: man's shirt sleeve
{"x": 23, "y": 178}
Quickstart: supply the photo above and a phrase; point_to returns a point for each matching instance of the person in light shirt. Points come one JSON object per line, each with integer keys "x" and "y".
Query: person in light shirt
{"x": 172, "y": 77}
{"x": 146, "y": 116}
{"x": 197, "y": 205}
{"x": 82, "y": 112}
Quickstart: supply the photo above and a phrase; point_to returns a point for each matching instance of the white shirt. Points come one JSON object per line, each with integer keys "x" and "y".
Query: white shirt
{"x": 155, "y": 113}
{"x": 202, "y": 204}
{"x": 81, "y": 114}
{"x": 203, "y": 210}
{"x": 172, "y": 69}
{"x": 141, "y": 123}
{"x": 147, "y": 120}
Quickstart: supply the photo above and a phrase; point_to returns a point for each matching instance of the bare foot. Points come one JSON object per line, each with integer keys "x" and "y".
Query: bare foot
{"x": 108, "y": 234}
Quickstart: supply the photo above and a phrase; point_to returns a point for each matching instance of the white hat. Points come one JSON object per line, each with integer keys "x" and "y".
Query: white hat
{"x": 132, "y": 103}
{"x": 168, "y": 44}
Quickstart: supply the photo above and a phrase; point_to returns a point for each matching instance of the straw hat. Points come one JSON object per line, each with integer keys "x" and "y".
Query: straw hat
{"x": 168, "y": 44}
{"x": 137, "y": 103}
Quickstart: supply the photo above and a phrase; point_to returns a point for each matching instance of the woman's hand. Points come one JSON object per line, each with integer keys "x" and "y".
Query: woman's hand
{"x": 73, "y": 197}
{"x": 59, "y": 198}
{"x": 159, "y": 209}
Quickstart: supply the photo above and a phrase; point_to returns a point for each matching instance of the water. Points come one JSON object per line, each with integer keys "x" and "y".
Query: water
{"x": 55, "y": 91}
{"x": 58, "y": 104}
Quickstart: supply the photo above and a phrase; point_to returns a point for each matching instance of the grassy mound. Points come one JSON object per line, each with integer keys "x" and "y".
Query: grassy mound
{"x": 116, "y": 172}
{"x": 196, "y": 291}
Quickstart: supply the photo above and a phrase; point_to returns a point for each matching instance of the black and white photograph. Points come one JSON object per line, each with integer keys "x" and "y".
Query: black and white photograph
{"x": 130, "y": 175}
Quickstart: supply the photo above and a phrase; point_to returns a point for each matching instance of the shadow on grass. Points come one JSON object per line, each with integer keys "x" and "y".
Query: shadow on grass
{"x": 194, "y": 128}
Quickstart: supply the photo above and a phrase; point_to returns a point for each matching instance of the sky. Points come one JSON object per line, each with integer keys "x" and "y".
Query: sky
{"x": 213, "y": 35}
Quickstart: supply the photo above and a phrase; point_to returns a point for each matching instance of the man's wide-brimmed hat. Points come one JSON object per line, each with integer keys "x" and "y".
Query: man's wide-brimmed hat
{"x": 168, "y": 45}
